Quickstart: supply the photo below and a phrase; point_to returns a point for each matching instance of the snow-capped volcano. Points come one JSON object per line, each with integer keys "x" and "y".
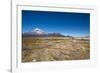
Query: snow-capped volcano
{"x": 38, "y": 31}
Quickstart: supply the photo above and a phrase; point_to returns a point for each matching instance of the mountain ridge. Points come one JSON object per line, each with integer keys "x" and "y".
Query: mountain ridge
{"x": 37, "y": 32}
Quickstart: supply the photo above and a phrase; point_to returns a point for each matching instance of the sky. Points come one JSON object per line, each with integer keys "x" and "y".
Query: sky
{"x": 66, "y": 23}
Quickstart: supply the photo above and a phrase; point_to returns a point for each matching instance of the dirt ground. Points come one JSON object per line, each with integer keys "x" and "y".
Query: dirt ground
{"x": 54, "y": 49}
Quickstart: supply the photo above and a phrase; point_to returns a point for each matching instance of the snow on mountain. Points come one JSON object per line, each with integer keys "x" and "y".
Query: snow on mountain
{"x": 38, "y": 31}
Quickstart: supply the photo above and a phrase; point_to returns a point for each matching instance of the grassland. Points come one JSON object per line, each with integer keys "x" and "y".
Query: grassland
{"x": 36, "y": 49}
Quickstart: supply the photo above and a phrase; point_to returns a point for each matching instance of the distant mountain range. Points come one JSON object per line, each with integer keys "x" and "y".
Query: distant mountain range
{"x": 40, "y": 33}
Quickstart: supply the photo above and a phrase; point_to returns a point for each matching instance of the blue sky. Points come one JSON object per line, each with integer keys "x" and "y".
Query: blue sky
{"x": 67, "y": 23}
